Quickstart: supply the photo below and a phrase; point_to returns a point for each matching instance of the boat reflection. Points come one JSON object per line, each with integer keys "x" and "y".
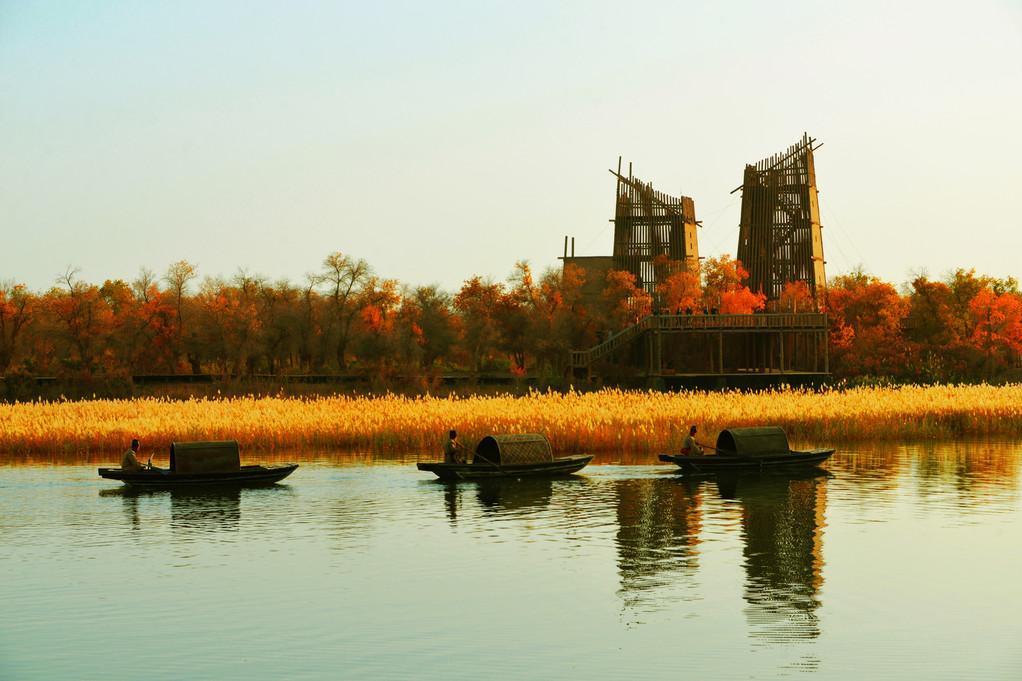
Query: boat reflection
{"x": 659, "y": 522}
{"x": 203, "y": 510}
{"x": 782, "y": 520}
{"x": 506, "y": 497}
{"x": 780, "y": 517}
{"x": 510, "y": 496}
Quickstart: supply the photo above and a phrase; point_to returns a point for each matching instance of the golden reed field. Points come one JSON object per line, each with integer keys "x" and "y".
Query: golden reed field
{"x": 604, "y": 421}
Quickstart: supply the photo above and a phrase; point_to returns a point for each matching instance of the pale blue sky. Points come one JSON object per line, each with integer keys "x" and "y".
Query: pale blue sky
{"x": 441, "y": 140}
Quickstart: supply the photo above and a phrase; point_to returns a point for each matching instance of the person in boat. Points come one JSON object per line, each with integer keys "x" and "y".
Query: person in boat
{"x": 454, "y": 451}
{"x": 129, "y": 461}
{"x": 691, "y": 447}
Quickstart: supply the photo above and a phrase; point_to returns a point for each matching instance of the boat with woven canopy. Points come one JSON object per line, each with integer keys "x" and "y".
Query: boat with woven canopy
{"x": 201, "y": 463}
{"x": 509, "y": 456}
{"x": 759, "y": 448}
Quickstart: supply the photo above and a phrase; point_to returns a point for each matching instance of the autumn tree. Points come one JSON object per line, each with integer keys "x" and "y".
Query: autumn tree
{"x": 477, "y": 301}
{"x": 126, "y": 327}
{"x": 563, "y": 322}
{"x": 229, "y": 327}
{"x": 16, "y": 310}
{"x": 866, "y": 316}
{"x": 678, "y": 288}
{"x": 680, "y": 291}
{"x": 279, "y": 315}
{"x": 795, "y": 297}
{"x": 517, "y": 310}
{"x": 344, "y": 279}
{"x": 932, "y": 331}
{"x": 997, "y": 324}
{"x": 624, "y": 302}
{"x": 177, "y": 278}
{"x": 375, "y": 339}
{"x": 725, "y": 290}
{"x": 83, "y": 320}
{"x": 428, "y": 326}
{"x": 309, "y": 325}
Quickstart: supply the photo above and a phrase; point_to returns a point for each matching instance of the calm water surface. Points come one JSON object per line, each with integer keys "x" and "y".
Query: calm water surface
{"x": 904, "y": 562}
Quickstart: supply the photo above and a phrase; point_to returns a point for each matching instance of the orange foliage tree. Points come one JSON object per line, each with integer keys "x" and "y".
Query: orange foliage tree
{"x": 549, "y": 316}
{"x": 866, "y": 315}
{"x": 624, "y": 302}
{"x": 478, "y": 302}
{"x": 725, "y": 290}
{"x": 998, "y": 327}
{"x": 375, "y": 338}
{"x": 962, "y": 327}
{"x": 428, "y": 326}
{"x": 16, "y": 309}
{"x": 83, "y": 322}
{"x": 678, "y": 289}
{"x": 795, "y": 297}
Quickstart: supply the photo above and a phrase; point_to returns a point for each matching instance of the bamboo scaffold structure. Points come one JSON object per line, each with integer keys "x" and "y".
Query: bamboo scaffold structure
{"x": 650, "y": 223}
{"x": 780, "y": 239}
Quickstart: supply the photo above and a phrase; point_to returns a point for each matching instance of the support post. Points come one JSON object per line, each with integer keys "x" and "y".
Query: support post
{"x": 826, "y": 353}
{"x": 720, "y": 353}
{"x": 780, "y": 342}
{"x": 659, "y": 353}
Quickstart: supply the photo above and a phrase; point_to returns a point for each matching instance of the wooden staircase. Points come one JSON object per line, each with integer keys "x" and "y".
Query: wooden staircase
{"x": 583, "y": 359}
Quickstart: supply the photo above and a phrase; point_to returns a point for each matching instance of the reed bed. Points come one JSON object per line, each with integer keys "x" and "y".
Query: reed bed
{"x": 603, "y": 421}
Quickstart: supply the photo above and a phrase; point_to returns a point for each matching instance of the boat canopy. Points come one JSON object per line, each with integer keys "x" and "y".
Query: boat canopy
{"x": 205, "y": 457}
{"x": 752, "y": 441}
{"x": 513, "y": 449}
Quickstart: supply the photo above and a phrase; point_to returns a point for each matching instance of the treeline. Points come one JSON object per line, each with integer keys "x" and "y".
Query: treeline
{"x": 344, "y": 319}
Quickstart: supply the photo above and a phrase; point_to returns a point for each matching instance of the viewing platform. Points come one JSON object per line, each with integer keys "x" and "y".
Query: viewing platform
{"x": 713, "y": 345}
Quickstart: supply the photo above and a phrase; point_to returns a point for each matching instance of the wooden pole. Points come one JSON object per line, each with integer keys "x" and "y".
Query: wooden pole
{"x": 780, "y": 342}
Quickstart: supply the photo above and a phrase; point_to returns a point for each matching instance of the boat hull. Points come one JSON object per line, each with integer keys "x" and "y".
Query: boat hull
{"x": 475, "y": 471}
{"x": 733, "y": 462}
{"x": 246, "y": 475}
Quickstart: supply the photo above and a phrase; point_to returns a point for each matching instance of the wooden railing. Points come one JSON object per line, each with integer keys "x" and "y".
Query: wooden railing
{"x": 779, "y": 321}
{"x": 726, "y": 322}
{"x": 583, "y": 358}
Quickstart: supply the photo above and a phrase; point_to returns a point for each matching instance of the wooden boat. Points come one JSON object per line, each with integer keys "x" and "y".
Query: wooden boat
{"x": 195, "y": 464}
{"x": 749, "y": 449}
{"x": 509, "y": 456}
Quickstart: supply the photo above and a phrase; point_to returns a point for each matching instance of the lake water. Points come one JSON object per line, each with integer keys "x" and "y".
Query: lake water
{"x": 904, "y": 562}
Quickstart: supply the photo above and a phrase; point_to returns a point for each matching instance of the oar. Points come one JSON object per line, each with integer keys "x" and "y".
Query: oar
{"x": 719, "y": 451}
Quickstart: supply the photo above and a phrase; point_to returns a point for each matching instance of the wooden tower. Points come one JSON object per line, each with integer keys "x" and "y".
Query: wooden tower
{"x": 780, "y": 239}
{"x": 649, "y": 223}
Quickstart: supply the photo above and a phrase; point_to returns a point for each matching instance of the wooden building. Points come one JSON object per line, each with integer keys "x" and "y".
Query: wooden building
{"x": 779, "y": 242}
{"x": 649, "y": 224}
{"x": 780, "y": 238}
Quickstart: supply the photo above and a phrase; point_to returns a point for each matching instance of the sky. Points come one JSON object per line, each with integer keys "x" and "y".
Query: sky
{"x": 442, "y": 140}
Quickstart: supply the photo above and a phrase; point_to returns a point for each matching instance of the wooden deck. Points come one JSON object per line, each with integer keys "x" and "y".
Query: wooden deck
{"x": 730, "y": 344}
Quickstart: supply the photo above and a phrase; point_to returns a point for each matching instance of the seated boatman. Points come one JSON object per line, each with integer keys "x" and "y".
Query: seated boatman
{"x": 454, "y": 452}
{"x": 129, "y": 461}
{"x": 691, "y": 447}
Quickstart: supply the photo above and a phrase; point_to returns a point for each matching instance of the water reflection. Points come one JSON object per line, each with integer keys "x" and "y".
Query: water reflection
{"x": 782, "y": 521}
{"x": 595, "y": 576}
{"x": 205, "y": 511}
{"x": 510, "y": 496}
{"x": 662, "y": 522}
{"x": 201, "y": 510}
{"x": 503, "y": 497}
{"x": 658, "y": 534}
{"x": 130, "y": 497}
